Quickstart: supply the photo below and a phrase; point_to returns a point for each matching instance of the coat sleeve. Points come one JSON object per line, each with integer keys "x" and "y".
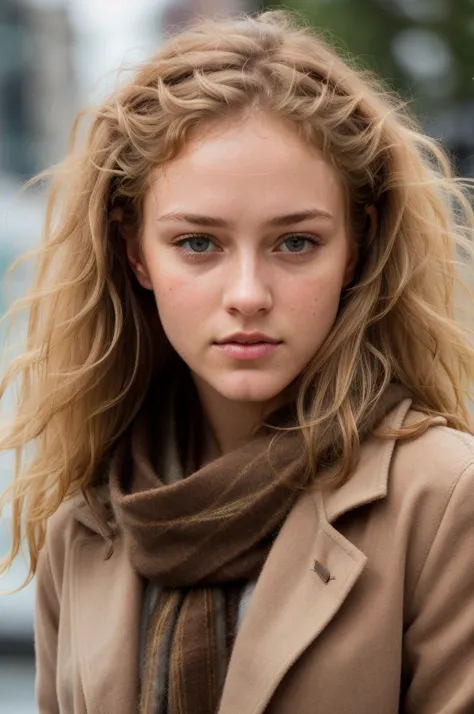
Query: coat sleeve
{"x": 439, "y": 637}
{"x": 46, "y": 636}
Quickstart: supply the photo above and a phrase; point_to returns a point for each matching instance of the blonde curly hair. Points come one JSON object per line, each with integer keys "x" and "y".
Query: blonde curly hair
{"x": 94, "y": 339}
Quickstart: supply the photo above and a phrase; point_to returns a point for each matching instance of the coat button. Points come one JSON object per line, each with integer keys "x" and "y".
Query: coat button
{"x": 322, "y": 571}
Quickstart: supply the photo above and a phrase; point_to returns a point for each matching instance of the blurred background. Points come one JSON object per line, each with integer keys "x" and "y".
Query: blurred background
{"x": 58, "y": 55}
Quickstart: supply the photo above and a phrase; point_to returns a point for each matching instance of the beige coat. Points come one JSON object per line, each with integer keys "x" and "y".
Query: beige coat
{"x": 391, "y": 631}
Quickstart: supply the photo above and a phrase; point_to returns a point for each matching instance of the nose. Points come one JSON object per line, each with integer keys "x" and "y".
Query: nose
{"x": 247, "y": 287}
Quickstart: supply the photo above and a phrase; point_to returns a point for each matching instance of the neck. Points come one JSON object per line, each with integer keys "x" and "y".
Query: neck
{"x": 231, "y": 424}
{"x": 232, "y": 427}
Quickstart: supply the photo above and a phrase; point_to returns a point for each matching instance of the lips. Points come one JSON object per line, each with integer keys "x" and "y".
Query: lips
{"x": 253, "y": 338}
{"x": 242, "y": 342}
{"x": 250, "y": 351}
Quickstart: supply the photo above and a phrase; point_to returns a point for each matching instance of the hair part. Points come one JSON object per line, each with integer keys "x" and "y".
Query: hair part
{"x": 94, "y": 339}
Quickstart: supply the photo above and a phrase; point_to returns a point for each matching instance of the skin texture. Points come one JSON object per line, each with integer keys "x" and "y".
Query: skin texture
{"x": 248, "y": 275}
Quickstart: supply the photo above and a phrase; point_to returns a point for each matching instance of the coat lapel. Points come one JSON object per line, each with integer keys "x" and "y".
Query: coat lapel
{"x": 369, "y": 482}
{"x": 107, "y": 605}
{"x": 292, "y": 603}
{"x": 290, "y": 606}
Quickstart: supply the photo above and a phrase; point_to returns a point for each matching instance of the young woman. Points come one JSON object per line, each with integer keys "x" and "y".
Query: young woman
{"x": 252, "y": 488}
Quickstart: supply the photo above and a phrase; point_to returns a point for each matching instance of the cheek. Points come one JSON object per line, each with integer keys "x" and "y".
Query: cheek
{"x": 317, "y": 298}
{"x": 180, "y": 300}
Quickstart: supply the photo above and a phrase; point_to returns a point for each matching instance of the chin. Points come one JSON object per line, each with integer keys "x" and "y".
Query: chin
{"x": 253, "y": 390}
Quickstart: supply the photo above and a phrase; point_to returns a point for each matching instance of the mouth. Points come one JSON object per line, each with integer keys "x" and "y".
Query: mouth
{"x": 239, "y": 342}
{"x": 255, "y": 338}
{"x": 238, "y": 350}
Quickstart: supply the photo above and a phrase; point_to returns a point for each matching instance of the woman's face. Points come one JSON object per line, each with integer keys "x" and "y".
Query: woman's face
{"x": 245, "y": 232}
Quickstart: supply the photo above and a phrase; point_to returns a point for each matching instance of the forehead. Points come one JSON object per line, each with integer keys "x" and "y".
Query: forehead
{"x": 258, "y": 163}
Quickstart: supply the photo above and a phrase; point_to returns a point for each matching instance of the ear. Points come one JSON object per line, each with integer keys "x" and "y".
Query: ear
{"x": 137, "y": 261}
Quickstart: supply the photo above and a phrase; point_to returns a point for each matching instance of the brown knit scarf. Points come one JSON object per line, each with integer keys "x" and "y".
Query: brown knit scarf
{"x": 200, "y": 535}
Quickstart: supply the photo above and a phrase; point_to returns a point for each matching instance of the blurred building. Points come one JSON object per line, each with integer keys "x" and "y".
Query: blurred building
{"x": 57, "y": 56}
{"x": 16, "y": 116}
{"x": 54, "y": 54}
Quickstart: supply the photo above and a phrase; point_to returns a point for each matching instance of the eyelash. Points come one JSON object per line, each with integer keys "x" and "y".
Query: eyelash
{"x": 197, "y": 256}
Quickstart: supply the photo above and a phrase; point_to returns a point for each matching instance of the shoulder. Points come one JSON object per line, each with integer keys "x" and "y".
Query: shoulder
{"x": 437, "y": 461}
{"x": 430, "y": 493}
{"x": 406, "y": 475}
{"x": 63, "y": 530}
{"x": 78, "y": 516}
{"x": 62, "y": 525}
{"x": 431, "y": 504}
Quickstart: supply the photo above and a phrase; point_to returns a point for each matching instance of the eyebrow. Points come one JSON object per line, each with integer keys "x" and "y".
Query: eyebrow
{"x": 289, "y": 219}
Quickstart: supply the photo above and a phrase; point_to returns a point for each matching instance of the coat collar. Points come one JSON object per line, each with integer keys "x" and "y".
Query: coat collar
{"x": 369, "y": 482}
